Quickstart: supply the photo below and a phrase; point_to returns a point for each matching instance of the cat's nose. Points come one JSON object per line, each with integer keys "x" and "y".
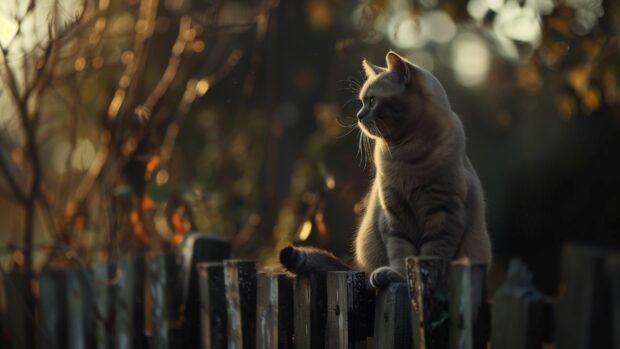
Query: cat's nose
{"x": 361, "y": 114}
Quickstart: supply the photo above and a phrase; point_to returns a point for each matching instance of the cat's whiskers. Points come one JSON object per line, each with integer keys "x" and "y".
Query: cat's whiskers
{"x": 359, "y": 146}
{"x": 389, "y": 150}
{"x": 367, "y": 149}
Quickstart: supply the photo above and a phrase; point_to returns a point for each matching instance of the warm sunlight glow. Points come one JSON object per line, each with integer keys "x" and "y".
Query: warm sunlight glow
{"x": 8, "y": 29}
{"x": 304, "y": 233}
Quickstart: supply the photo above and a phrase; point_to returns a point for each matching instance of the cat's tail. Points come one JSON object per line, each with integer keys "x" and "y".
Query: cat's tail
{"x": 307, "y": 260}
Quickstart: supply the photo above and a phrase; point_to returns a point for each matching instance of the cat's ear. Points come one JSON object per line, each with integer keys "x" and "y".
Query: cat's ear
{"x": 397, "y": 64}
{"x": 371, "y": 70}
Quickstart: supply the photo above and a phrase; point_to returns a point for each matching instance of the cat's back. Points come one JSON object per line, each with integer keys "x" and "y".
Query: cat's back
{"x": 476, "y": 244}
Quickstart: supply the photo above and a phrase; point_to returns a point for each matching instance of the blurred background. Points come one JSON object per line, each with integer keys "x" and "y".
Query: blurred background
{"x": 126, "y": 124}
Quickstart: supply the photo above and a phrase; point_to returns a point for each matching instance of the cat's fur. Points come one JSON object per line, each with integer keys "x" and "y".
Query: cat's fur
{"x": 426, "y": 198}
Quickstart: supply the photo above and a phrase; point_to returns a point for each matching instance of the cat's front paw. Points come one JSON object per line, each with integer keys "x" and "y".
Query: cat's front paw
{"x": 382, "y": 277}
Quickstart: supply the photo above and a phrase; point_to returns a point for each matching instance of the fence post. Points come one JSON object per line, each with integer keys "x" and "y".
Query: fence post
{"x": 468, "y": 312}
{"x": 17, "y": 312}
{"x": 392, "y": 318}
{"x": 196, "y": 248}
{"x": 613, "y": 268}
{"x": 81, "y": 308}
{"x": 212, "y": 305}
{"x": 310, "y": 297}
{"x": 52, "y": 319}
{"x": 583, "y": 314}
{"x": 274, "y": 311}
{"x": 347, "y": 311}
{"x": 165, "y": 302}
{"x": 240, "y": 286}
{"x": 129, "y": 305}
{"x": 105, "y": 277}
{"x": 428, "y": 293}
{"x": 518, "y": 311}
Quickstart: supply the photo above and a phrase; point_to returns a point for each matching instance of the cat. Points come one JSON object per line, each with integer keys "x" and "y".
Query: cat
{"x": 426, "y": 198}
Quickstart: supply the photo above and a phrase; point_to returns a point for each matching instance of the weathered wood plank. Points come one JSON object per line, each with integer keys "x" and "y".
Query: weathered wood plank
{"x": 274, "y": 311}
{"x": 428, "y": 293}
{"x": 104, "y": 277}
{"x": 393, "y": 318}
{"x": 81, "y": 309}
{"x": 240, "y": 286}
{"x": 52, "y": 308}
{"x": 347, "y": 312}
{"x": 129, "y": 306}
{"x": 468, "y": 316}
{"x": 518, "y": 311}
{"x": 196, "y": 248}
{"x": 213, "y": 305}
{"x": 310, "y": 297}
{"x": 15, "y": 287}
{"x": 165, "y": 301}
{"x": 583, "y": 311}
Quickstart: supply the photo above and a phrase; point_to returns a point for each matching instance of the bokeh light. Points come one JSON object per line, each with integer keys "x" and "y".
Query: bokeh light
{"x": 471, "y": 59}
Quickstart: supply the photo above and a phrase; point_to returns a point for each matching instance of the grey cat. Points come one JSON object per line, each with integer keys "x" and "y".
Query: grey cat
{"x": 426, "y": 198}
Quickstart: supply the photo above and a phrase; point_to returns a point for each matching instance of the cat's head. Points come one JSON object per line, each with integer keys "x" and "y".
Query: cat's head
{"x": 399, "y": 99}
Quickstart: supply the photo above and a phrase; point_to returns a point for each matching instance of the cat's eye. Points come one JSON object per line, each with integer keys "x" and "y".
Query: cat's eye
{"x": 371, "y": 101}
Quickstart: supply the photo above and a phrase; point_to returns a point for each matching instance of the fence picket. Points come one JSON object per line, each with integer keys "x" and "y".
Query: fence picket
{"x": 129, "y": 304}
{"x": 583, "y": 314}
{"x": 468, "y": 312}
{"x": 52, "y": 317}
{"x": 274, "y": 311}
{"x": 81, "y": 309}
{"x": 392, "y": 318}
{"x": 240, "y": 286}
{"x": 104, "y": 277}
{"x": 106, "y": 309}
{"x": 518, "y": 311}
{"x": 196, "y": 248}
{"x": 428, "y": 293}
{"x": 213, "y": 318}
{"x": 347, "y": 311}
{"x": 17, "y": 314}
{"x": 165, "y": 302}
{"x": 310, "y": 296}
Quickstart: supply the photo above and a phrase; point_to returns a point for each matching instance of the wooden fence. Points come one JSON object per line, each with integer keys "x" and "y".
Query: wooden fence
{"x": 197, "y": 298}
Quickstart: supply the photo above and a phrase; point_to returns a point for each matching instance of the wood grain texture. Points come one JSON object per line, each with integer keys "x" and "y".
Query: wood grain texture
{"x": 213, "y": 319}
{"x": 274, "y": 311}
{"x": 310, "y": 297}
{"x": 392, "y": 328}
{"x": 428, "y": 293}
{"x": 468, "y": 315}
{"x": 347, "y": 311}
{"x": 240, "y": 286}
{"x": 196, "y": 248}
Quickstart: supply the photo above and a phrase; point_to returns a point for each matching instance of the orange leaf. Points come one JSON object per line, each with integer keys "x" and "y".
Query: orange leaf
{"x": 321, "y": 227}
{"x": 176, "y": 240}
{"x": 177, "y": 223}
{"x": 143, "y": 237}
{"x": 147, "y": 203}
{"x": 152, "y": 164}
{"x": 591, "y": 100}
{"x": 80, "y": 222}
{"x": 134, "y": 217}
